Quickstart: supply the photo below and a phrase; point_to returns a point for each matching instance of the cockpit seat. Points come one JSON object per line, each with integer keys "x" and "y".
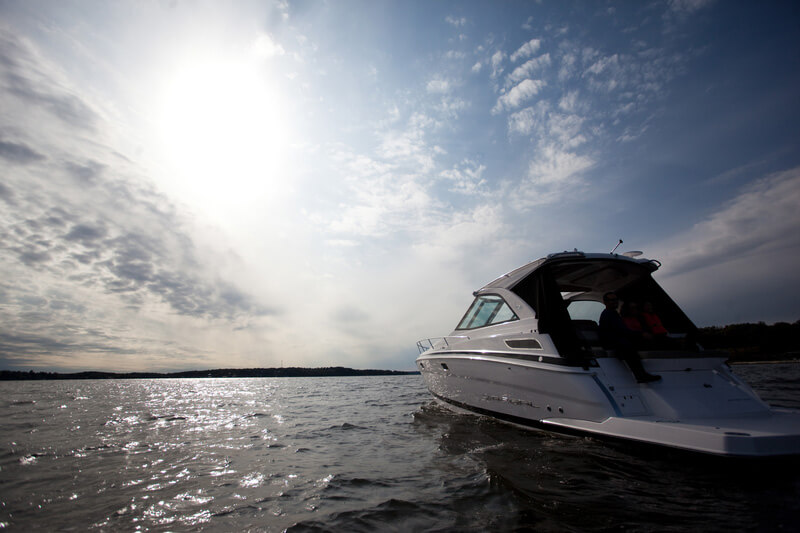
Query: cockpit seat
{"x": 588, "y": 332}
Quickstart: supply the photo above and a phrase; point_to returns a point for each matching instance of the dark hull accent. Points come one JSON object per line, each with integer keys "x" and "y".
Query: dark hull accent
{"x": 550, "y": 360}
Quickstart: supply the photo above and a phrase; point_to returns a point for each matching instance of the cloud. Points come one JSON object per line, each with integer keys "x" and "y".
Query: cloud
{"x": 451, "y": 107}
{"x": 466, "y": 178}
{"x": 553, "y": 173}
{"x": 739, "y": 264}
{"x": 480, "y": 228}
{"x": 527, "y": 69}
{"x": 497, "y": 61}
{"x": 689, "y": 6}
{"x": 457, "y": 22}
{"x": 87, "y": 171}
{"x": 557, "y": 167}
{"x": 523, "y": 91}
{"x": 603, "y": 64}
{"x": 18, "y": 153}
{"x": 265, "y": 47}
{"x": 142, "y": 260}
{"x": 409, "y": 146}
{"x": 762, "y": 218}
{"x": 530, "y": 119}
{"x": 455, "y": 54}
{"x": 569, "y": 102}
{"x": 282, "y": 6}
{"x": 348, "y": 314}
{"x": 632, "y": 79}
{"x": 25, "y": 76}
{"x": 7, "y": 195}
{"x": 527, "y": 24}
{"x": 526, "y": 50}
{"x": 566, "y": 129}
{"x": 384, "y": 194}
{"x": 568, "y": 66}
{"x": 439, "y": 86}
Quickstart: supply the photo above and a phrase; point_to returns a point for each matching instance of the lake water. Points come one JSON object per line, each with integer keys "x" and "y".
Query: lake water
{"x": 352, "y": 454}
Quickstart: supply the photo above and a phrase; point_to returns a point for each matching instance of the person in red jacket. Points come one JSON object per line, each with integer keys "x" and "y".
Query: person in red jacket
{"x": 615, "y": 335}
{"x": 652, "y": 322}
{"x": 632, "y": 317}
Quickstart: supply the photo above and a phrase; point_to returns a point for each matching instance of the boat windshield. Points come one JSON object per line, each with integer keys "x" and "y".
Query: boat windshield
{"x": 487, "y": 310}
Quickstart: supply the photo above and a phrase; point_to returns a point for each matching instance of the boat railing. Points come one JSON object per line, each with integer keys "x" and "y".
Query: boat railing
{"x": 426, "y": 344}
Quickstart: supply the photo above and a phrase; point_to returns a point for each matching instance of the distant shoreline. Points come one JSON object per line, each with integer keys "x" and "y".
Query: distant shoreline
{"x": 337, "y": 371}
{"x": 770, "y": 362}
{"x": 283, "y": 372}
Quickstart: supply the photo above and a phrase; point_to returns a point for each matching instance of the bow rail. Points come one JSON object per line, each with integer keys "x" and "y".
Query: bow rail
{"x": 427, "y": 344}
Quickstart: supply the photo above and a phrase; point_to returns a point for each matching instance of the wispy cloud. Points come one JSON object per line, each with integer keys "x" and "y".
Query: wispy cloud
{"x": 739, "y": 264}
{"x": 458, "y": 22}
{"x": 266, "y": 47}
{"x": 466, "y": 177}
{"x": 526, "y": 50}
{"x": 530, "y": 119}
{"x": 497, "y": 63}
{"x": 689, "y": 6}
{"x": 552, "y": 174}
{"x": 762, "y": 218}
{"x": 439, "y": 85}
{"x": 527, "y": 69}
{"x": 517, "y": 95}
{"x": 26, "y": 78}
{"x": 19, "y": 153}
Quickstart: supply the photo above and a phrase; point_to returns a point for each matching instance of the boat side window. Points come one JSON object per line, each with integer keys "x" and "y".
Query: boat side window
{"x": 585, "y": 310}
{"x": 487, "y": 310}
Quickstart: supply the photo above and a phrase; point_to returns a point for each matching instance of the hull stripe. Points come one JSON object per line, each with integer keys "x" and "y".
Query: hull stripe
{"x": 548, "y": 359}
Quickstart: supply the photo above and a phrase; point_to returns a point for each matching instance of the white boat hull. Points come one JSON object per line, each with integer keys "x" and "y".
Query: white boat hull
{"x": 699, "y": 405}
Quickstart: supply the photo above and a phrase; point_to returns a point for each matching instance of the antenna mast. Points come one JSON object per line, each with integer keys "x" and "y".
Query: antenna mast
{"x": 617, "y": 246}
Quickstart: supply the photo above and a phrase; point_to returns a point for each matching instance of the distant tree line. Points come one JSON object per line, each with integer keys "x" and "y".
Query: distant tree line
{"x": 754, "y": 342}
{"x": 217, "y": 373}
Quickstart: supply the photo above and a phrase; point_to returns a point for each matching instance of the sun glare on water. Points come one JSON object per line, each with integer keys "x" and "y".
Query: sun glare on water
{"x": 222, "y": 133}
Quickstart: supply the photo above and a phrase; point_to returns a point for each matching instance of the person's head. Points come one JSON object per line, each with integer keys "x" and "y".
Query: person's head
{"x": 610, "y": 300}
{"x": 630, "y": 309}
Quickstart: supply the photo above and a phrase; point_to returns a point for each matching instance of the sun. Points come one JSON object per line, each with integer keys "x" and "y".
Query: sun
{"x": 222, "y": 132}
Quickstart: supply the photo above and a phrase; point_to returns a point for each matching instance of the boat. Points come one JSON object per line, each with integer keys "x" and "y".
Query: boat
{"x": 529, "y": 351}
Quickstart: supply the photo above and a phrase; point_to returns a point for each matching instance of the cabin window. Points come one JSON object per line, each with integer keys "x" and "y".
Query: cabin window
{"x": 487, "y": 310}
{"x": 585, "y": 310}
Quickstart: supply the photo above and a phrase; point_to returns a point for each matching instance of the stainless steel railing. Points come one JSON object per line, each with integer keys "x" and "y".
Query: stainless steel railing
{"x": 426, "y": 344}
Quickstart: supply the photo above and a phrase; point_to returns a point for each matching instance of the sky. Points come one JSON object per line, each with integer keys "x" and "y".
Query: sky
{"x": 193, "y": 185}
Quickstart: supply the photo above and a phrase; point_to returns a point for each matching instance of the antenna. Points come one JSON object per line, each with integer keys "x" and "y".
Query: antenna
{"x": 617, "y": 246}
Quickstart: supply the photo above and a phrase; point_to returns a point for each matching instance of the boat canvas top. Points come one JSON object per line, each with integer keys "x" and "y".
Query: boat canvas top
{"x": 509, "y": 280}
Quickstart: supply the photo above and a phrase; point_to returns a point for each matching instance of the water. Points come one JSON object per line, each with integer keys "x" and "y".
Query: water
{"x": 350, "y": 454}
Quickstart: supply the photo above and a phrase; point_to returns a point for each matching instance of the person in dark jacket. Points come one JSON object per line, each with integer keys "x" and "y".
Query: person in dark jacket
{"x": 615, "y": 335}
